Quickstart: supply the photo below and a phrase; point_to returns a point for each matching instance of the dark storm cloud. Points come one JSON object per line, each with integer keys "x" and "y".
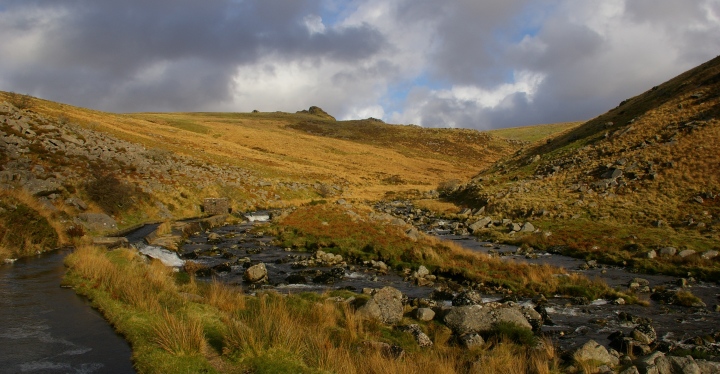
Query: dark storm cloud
{"x": 187, "y": 50}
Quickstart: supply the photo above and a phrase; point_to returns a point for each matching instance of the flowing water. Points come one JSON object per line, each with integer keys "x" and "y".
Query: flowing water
{"x": 48, "y": 329}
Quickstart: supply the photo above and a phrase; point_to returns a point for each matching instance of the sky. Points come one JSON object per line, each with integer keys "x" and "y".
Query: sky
{"x": 461, "y": 63}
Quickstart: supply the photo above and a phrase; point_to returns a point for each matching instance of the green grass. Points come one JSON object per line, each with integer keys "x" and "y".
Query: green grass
{"x": 534, "y": 133}
{"x": 329, "y": 228}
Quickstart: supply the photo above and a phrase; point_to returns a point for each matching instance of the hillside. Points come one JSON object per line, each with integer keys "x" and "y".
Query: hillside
{"x": 79, "y": 164}
{"x": 642, "y": 177}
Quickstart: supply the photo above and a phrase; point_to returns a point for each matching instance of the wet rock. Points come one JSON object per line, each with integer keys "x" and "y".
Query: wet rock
{"x": 596, "y": 353}
{"x": 385, "y": 305}
{"x": 482, "y": 318}
{"x": 329, "y": 277}
{"x": 467, "y": 298}
{"x": 256, "y": 273}
{"x": 644, "y": 333}
{"x": 296, "y": 279}
{"x": 214, "y": 238}
{"x": 533, "y": 317}
{"x": 424, "y": 314}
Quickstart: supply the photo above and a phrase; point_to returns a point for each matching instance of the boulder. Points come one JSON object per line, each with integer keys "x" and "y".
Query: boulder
{"x": 480, "y": 224}
{"x": 424, "y": 314}
{"x": 40, "y": 187}
{"x": 471, "y": 340}
{"x": 644, "y": 333}
{"x": 527, "y": 227}
{"x": 76, "y": 202}
{"x": 420, "y": 337}
{"x": 668, "y": 251}
{"x": 481, "y": 318}
{"x": 467, "y": 298}
{"x": 385, "y": 305}
{"x": 256, "y": 273}
{"x": 708, "y": 367}
{"x": 686, "y": 253}
{"x": 709, "y": 255}
{"x": 422, "y": 271}
{"x": 677, "y": 365}
{"x": 595, "y": 353}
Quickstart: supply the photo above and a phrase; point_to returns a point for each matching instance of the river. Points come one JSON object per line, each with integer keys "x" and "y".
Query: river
{"x": 48, "y": 329}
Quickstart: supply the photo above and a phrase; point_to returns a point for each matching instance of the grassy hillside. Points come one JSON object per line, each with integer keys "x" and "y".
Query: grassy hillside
{"x": 641, "y": 177}
{"x": 158, "y": 166}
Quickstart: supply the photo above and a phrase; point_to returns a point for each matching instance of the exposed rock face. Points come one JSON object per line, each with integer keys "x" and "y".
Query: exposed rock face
{"x": 256, "y": 273}
{"x": 480, "y": 318}
{"x": 316, "y": 111}
{"x": 97, "y": 221}
{"x": 385, "y": 305}
{"x": 594, "y": 352}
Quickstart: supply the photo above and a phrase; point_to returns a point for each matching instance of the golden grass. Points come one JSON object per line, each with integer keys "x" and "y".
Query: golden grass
{"x": 266, "y": 333}
{"x": 535, "y": 132}
{"x": 179, "y": 336}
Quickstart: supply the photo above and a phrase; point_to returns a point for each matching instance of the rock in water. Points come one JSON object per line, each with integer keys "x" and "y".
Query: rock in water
{"x": 256, "y": 273}
{"x": 385, "y": 305}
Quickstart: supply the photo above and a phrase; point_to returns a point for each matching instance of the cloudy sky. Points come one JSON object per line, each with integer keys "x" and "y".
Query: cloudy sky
{"x": 459, "y": 63}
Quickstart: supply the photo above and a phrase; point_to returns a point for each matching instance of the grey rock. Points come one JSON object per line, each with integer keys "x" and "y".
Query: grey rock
{"x": 471, "y": 340}
{"x": 613, "y": 174}
{"x": 668, "y": 251}
{"x": 424, "y": 314}
{"x": 413, "y": 234}
{"x": 594, "y": 352}
{"x": 385, "y": 305}
{"x": 677, "y": 365}
{"x": 256, "y": 273}
{"x": 709, "y": 255}
{"x": 40, "y": 187}
{"x": 527, "y": 227}
{"x": 686, "y": 253}
{"x": 420, "y": 337}
{"x": 97, "y": 221}
{"x": 651, "y": 254}
{"x": 422, "y": 271}
{"x": 480, "y": 318}
{"x": 76, "y": 202}
{"x": 480, "y": 224}
{"x": 644, "y": 334}
{"x": 630, "y": 370}
{"x": 708, "y": 367}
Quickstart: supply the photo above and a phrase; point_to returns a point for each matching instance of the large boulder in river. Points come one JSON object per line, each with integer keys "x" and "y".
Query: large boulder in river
{"x": 385, "y": 305}
{"x": 256, "y": 273}
{"x": 481, "y": 318}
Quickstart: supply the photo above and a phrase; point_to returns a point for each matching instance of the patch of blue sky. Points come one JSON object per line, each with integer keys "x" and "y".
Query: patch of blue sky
{"x": 334, "y": 12}
{"x": 396, "y": 95}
